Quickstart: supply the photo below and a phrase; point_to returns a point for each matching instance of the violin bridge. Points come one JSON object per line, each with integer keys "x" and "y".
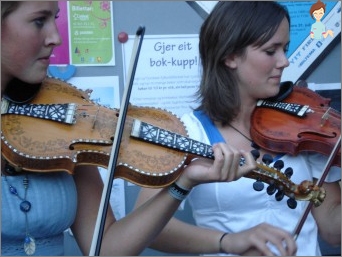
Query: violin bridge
{"x": 95, "y": 118}
{"x": 325, "y": 117}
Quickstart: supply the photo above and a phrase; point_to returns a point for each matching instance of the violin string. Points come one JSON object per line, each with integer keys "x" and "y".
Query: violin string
{"x": 99, "y": 118}
{"x": 91, "y": 113}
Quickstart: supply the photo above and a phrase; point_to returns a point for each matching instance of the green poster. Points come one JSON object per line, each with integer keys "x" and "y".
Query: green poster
{"x": 91, "y": 33}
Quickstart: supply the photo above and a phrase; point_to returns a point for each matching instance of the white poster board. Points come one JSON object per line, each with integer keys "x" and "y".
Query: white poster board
{"x": 167, "y": 74}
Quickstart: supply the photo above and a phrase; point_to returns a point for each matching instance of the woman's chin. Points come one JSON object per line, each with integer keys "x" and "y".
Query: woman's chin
{"x": 37, "y": 77}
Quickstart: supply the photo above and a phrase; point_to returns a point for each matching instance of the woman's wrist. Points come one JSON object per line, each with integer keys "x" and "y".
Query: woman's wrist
{"x": 184, "y": 182}
{"x": 178, "y": 191}
{"x": 221, "y": 250}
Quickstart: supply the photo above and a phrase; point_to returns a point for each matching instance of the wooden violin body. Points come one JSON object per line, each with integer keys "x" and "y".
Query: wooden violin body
{"x": 39, "y": 144}
{"x": 61, "y": 128}
{"x": 317, "y": 129}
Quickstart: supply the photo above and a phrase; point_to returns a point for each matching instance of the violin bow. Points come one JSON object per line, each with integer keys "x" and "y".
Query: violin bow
{"x": 319, "y": 183}
{"x": 108, "y": 183}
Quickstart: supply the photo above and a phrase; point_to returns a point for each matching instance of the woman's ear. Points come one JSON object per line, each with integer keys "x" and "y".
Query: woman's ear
{"x": 230, "y": 62}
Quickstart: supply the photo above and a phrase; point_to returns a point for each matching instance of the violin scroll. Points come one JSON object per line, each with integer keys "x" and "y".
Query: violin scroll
{"x": 311, "y": 192}
{"x": 279, "y": 183}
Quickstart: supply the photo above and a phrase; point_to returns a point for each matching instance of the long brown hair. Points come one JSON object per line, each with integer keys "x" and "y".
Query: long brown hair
{"x": 228, "y": 30}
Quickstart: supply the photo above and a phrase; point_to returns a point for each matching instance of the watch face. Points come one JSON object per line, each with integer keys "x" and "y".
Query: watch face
{"x": 20, "y": 92}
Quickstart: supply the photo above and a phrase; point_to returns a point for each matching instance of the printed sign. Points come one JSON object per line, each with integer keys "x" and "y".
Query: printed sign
{"x": 86, "y": 28}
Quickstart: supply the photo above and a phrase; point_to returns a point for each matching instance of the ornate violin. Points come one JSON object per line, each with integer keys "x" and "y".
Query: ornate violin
{"x": 304, "y": 121}
{"x": 61, "y": 128}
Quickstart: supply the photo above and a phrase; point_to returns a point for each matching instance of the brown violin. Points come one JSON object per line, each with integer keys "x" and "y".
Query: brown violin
{"x": 304, "y": 121}
{"x": 61, "y": 128}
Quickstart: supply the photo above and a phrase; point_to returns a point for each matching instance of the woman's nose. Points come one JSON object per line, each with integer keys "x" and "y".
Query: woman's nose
{"x": 54, "y": 38}
{"x": 284, "y": 61}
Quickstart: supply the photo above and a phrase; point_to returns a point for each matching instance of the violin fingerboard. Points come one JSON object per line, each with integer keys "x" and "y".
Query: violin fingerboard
{"x": 159, "y": 136}
{"x": 57, "y": 112}
{"x": 291, "y": 108}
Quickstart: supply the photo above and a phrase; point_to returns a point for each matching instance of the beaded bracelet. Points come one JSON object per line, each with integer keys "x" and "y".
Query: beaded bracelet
{"x": 220, "y": 243}
{"x": 178, "y": 192}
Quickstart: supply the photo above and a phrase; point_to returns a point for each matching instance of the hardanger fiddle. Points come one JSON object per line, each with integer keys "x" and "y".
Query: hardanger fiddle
{"x": 69, "y": 129}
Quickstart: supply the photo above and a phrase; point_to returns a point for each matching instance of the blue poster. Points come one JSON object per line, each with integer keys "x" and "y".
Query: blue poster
{"x": 301, "y": 21}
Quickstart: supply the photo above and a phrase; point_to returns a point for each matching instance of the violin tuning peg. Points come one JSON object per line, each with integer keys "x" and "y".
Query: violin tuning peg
{"x": 267, "y": 159}
{"x": 292, "y": 203}
{"x": 279, "y": 164}
{"x": 255, "y": 153}
{"x": 258, "y": 185}
{"x": 255, "y": 146}
{"x": 279, "y": 195}
{"x": 288, "y": 172}
{"x": 271, "y": 189}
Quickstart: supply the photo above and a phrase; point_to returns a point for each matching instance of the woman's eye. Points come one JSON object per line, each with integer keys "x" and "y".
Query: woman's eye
{"x": 270, "y": 52}
{"x": 40, "y": 22}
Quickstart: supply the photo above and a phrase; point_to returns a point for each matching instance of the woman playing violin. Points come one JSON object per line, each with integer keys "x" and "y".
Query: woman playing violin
{"x": 243, "y": 54}
{"x": 37, "y": 207}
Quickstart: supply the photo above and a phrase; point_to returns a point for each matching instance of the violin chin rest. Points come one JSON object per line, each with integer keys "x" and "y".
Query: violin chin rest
{"x": 285, "y": 90}
{"x": 21, "y": 92}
